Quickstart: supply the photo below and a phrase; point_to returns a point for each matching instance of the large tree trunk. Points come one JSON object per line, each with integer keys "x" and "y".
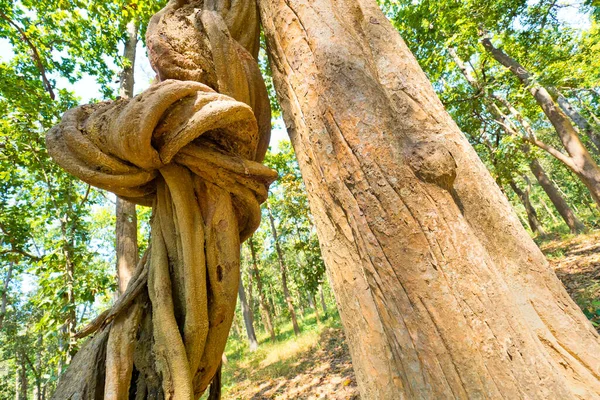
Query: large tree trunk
{"x": 442, "y": 292}
{"x": 126, "y": 224}
{"x": 283, "y": 271}
{"x": 264, "y": 305}
{"x": 532, "y": 217}
{"x": 247, "y": 314}
{"x": 579, "y": 159}
{"x": 557, "y": 199}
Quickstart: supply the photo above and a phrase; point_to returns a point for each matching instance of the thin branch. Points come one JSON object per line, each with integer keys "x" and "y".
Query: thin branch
{"x": 35, "y": 55}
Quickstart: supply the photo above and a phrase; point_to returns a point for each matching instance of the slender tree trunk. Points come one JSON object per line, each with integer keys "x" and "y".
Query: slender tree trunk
{"x": 314, "y": 305}
{"x": 246, "y": 312}
{"x": 579, "y": 159}
{"x": 126, "y": 225}
{"x": 5, "y": 286}
{"x": 557, "y": 199}
{"x": 323, "y": 304}
{"x": 567, "y": 214}
{"x": 261, "y": 293}
{"x": 532, "y": 217}
{"x": 23, "y": 382}
{"x": 442, "y": 292}
{"x": 578, "y": 119}
{"x": 283, "y": 270}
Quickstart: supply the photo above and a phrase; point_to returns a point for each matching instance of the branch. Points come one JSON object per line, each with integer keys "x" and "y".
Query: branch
{"x": 554, "y": 153}
{"x": 35, "y": 55}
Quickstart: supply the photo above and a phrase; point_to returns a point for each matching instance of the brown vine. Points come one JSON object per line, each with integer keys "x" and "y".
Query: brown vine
{"x": 190, "y": 146}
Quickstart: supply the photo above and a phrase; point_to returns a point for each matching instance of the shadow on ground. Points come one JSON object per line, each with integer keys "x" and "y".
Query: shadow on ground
{"x": 576, "y": 262}
{"x": 319, "y": 369}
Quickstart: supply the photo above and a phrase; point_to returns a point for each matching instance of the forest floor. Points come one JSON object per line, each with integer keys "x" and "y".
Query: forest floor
{"x": 317, "y": 364}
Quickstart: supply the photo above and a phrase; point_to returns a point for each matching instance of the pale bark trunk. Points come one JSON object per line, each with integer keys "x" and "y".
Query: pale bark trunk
{"x": 557, "y": 199}
{"x": 581, "y": 162}
{"x": 532, "y": 217}
{"x": 283, "y": 271}
{"x": 567, "y": 214}
{"x": 247, "y": 314}
{"x": 578, "y": 119}
{"x": 442, "y": 292}
{"x": 126, "y": 225}
{"x": 268, "y": 321}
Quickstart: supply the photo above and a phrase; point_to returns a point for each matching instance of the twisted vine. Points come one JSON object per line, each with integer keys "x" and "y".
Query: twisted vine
{"x": 190, "y": 146}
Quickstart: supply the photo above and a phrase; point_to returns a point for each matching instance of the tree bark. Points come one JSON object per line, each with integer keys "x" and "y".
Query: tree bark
{"x": 579, "y": 159}
{"x": 578, "y": 119}
{"x": 247, "y": 314}
{"x": 441, "y": 291}
{"x": 23, "y": 382}
{"x": 5, "y": 286}
{"x": 557, "y": 199}
{"x": 126, "y": 216}
{"x": 323, "y": 304}
{"x": 567, "y": 214}
{"x": 283, "y": 271}
{"x": 532, "y": 217}
{"x": 261, "y": 293}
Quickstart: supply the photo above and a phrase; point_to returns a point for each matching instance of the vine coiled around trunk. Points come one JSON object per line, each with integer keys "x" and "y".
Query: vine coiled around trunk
{"x": 190, "y": 146}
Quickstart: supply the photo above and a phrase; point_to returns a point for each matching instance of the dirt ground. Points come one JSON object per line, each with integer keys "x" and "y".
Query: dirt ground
{"x": 323, "y": 369}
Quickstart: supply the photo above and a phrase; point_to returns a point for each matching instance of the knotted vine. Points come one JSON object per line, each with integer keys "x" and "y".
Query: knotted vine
{"x": 190, "y": 146}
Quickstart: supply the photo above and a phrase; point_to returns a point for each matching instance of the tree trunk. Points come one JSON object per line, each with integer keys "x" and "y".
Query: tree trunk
{"x": 557, "y": 199}
{"x": 323, "y": 304}
{"x": 313, "y": 300}
{"x": 567, "y": 214}
{"x": 578, "y": 119}
{"x": 191, "y": 146}
{"x": 247, "y": 314}
{"x": 261, "y": 293}
{"x": 441, "y": 291}
{"x": 126, "y": 225}
{"x": 579, "y": 161}
{"x": 5, "y": 287}
{"x": 532, "y": 218}
{"x": 283, "y": 271}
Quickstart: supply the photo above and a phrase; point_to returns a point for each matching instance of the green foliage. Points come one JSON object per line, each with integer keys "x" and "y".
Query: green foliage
{"x": 558, "y": 54}
{"x": 56, "y": 233}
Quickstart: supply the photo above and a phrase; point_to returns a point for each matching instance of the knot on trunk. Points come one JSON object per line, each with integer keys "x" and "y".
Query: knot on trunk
{"x": 432, "y": 163}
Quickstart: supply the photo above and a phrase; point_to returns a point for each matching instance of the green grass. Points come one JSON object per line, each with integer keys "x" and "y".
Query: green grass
{"x": 281, "y": 358}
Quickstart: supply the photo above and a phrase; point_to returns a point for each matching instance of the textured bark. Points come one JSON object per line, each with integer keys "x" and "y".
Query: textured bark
{"x": 532, "y": 217}
{"x": 578, "y": 159}
{"x": 442, "y": 292}
{"x": 283, "y": 271}
{"x": 247, "y": 314}
{"x": 557, "y": 199}
{"x": 192, "y": 151}
{"x": 264, "y": 305}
